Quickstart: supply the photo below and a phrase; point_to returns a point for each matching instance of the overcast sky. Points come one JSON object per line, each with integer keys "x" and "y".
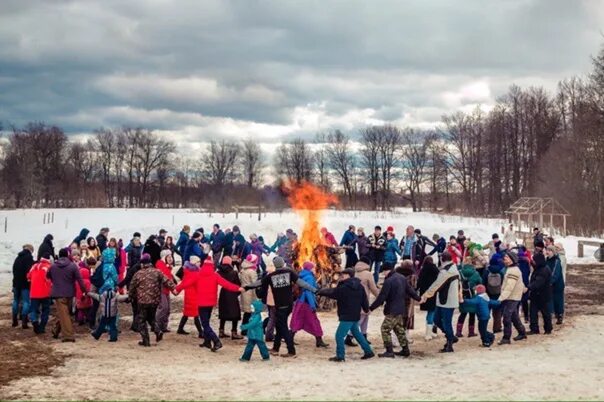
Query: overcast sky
{"x": 274, "y": 70}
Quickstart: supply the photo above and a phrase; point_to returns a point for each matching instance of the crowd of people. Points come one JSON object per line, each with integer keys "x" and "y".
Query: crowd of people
{"x": 504, "y": 281}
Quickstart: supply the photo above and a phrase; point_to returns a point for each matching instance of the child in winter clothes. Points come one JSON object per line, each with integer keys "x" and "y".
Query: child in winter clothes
{"x": 108, "y": 303}
{"x": 109, "y": 272}
{"x": 247, "y": 276}
{"x": 39, "y": 294}
{"x": 84, "y": 303}
{"x": 492, "y": 280}
{"x": 255, "y": 334}
{"x": 469, "y": 280}
{"x": 481, "y": 305}
{"x": 164, "y": 265}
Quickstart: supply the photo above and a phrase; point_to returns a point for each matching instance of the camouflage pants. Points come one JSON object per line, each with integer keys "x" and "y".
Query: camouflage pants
{"x": 394, "y": 323}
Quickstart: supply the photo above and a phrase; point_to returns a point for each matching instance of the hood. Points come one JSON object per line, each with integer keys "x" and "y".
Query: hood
{"x": 258, "y": 306}
{"x": 190, "y": 267}
{"x": 352, "y": 283}
{"x": 109, "y": 256}
{"x": 84, "y": 233}
{"x": 239, "y": 238}
{"x": 85, "y": 273}
{"x": 24, "y": 253}
{"x": 306, "y": 276}
{"x": 48, "y": 239}
{"x": 207, "y": 269}
{"x": 467, "y": 270}
{"x": 495, "y": 269}
{"x": 361, "y": 266}
{"x": 248, "y": 265}
{"x": 63, "y": 262}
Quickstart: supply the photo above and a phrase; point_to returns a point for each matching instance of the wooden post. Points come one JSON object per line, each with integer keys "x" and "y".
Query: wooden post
{"x": 259, "y": 213}
{"x": 579, "y": 249}
{"x": 541, "y": 215}
{"x": 172, "y": 220}
{"x": 236, "y": 213}
{"x": 551, "y": 223}
{"x": 44, "y": 219}
{"x": 5, "y": 224}
{"x": 53, "y": 217}
{"x": 564, "y": 234}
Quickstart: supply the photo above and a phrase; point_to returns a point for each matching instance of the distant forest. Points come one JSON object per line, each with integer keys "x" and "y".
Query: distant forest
{"x": 531, "y": 143}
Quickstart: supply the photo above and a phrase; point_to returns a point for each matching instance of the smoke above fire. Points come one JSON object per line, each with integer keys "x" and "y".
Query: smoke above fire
{"x": 309, "y": 201}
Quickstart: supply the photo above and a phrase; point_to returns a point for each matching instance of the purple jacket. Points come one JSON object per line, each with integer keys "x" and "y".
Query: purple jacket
{"x": 64, "y": 274}
{"x": 257, "y": 249}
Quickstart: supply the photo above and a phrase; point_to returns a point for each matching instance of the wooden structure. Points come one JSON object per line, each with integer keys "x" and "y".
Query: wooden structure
{"x": 581, "y": 243}
{"x": 250, "y": 209}
{"x": 540, "y": 212}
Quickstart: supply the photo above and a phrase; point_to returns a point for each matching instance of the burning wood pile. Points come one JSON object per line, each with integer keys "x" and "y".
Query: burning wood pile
{"x": 309, "y": 201}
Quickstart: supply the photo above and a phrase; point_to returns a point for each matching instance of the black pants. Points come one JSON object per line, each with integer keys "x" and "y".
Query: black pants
{"x": 525, "y": 308}
{"x": 351, "y": 260}
{"x": 134, "y": 306}
{"x": 146, "y": 315}
{"x": 233, "y": 325}
{"x": 283, "y": 331}
{"x": 205, "y": 313}
{"x": 543, "y": 308}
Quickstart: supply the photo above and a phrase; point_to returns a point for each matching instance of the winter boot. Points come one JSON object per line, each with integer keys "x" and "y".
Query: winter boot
{"x": 15, "y": 320}
{"x": 336, "y": 359}
{"x": 36, "y": 326}
{"x": 320, "y": 343}
{"x": 222, "y": 334}
{"x": 145, "y": 342}
{"x": 559, "y": 320}
{"x": 24, "y": 322}
{"x": 216, "y": 345}
{"x": 367, "y": 356}
{"x": 448, "y": 348}
{"x": 349, "y": 342}
{"x": 472, "y": 333}
{"x": 520, "y": 337}
{"x": 365, "y": 335}
{"x": 388, "y": 353}
{"x": 459, "y": 330}
{"x": 235, "y": 336}
{"x": 293, "y": 334}
{"x": 405, "y": 352}
{"x": 159, "y": 336}
{"x": 181, "y": 326}
{"x": 206, "y": 344}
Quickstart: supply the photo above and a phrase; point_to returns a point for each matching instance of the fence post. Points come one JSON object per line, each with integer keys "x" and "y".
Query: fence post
{"x": 44, "y": 219}
{"x": 5, "y": 224}
{"x": 172, "y": 220}
{"x": 53, "y": 217}
{"x": 259, "y": 213}
{"x": 66, "y": 223}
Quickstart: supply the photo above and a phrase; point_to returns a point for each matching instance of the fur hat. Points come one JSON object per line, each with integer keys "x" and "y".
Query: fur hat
{"x": 513, "y": 256}
{"x": 164, "y": 253}
{"x": 194, "y": 259}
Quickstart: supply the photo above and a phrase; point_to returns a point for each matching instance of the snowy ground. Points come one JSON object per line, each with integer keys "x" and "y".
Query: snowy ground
{"x": 26, "y": 226}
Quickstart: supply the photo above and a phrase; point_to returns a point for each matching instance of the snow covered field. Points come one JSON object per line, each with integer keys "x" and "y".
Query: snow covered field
{"x": 26, "y": 226}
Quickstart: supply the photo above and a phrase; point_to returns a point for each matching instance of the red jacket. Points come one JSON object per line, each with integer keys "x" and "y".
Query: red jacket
{"x": 206, "y": 282}
{"x": 40, "y": 284}
{"x": 82, "y": 301}
{"x": 167, "y": 271}
{"x": 456, "y": 253}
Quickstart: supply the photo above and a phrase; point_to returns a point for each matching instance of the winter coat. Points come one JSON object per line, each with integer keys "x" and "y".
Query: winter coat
{"x": 307, "y": 296}
{"x": 351, "y": 299}
{"x": 556, "y": 267}
{"x": 121, "y": 265}
{"x": 524, "y": 264}
{"x": 427, "y": 276}
{"x": 563, "y": 263}
{"x": 280, "y": 282}
{"x": 446, "y": 287}
{"x": 207, "y": 282}
{"x": 254, "y": 327}
{"x": 257, "y": 249}
{"x": 84, "y": 302}
{"x": 134, "y": 255}
{"x": 40, "y": 285}
{"x": 21, "y": 266}
{"x": 363, "y": 246}
{"x": 480, "y": 305}
{"x": 153, "y": 249}
{"x": 109, "y": 272}
{"x": 108, "y": 302}
{"x": 392, "y": 250}
{"x": 509, "y": 237}
{"x": 394, "y": 291}
{"x": 456, "y": 253}
{"x": 495, "y": 267}
{"x": 330, "y": 239}
{"x": 243, "y": 250}
{"x": 540, "y": 285}
{"x": 64, "y": 274}
{"x": 147, "y": 285}
{"x": 362, "y": 273}
{"x": 440, "y": 247}
{"x": 82, "y": 236}
{"x": 217, "y": 240}
{"x": 46, "y": 247}
{"x": 512, "y": 287}
{"x": 247, "y": 276}
{"x": 470, "y": 278}
{"x": 411, "y": 251}
{"x": 228, "y": 243}
{"x": 101, "y": 241}
{"x": 228, "y": 302}
{"x": 278, "y": 243}
{"x": 181, "y": 243}
{"x": 349, "y": 239}
{"x": 193, "y": 248}
{"x": 190, "y": 308}
{"x": 167, "y": 271}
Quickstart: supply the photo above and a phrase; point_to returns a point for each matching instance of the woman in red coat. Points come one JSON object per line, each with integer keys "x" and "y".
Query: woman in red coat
{"x": 162, "y": 315}
{"x": 206, "y": 282}
{"x": 83, "y": 303}
{"x": 189, "y": 308}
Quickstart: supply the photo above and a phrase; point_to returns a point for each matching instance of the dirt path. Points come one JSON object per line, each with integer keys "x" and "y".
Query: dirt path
{"x": 567, "y": 365}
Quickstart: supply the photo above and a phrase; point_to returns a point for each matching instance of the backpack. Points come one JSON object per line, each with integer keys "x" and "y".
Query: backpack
{"x": 494, "y": 282}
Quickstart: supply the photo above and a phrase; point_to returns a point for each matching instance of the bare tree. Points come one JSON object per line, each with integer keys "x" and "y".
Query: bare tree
{"x": 219, "y": 162}
{"x": 321, "y": 162}
{"x": 414, "y": 151}
{"x": 295, "y": 161}
{"x": 341, "y": 160}
{"x": 153, "y": 153}
{"x": 251, "y": 163}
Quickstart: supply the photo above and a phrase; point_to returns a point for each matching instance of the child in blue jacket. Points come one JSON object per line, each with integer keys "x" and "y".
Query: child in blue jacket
{"x": 255, "y": 334}
{"x": 482, "y": 304}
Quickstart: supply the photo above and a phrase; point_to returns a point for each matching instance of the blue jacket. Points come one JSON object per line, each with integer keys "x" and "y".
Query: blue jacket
{"x": 228, "y": 243}
{"x": 181, "y": 244}
{"x": 217, "y": 241}
{"x": 441, "y": 246}
{"x": 495, "y": 268}
{"x": 525, "y": 266}
{"x": 349, "y": 239}
{"x": 109, "y": 272}
{"x": 193, "y": 248}
{"x": 307, "y": 296}
{"x": 254, "y": 327}
{"x": 392, "y": 249}
{"x": 481, "y": 304}
{"x": 556, "y": 267}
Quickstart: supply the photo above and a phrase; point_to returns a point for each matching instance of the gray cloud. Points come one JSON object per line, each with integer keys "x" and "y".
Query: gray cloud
{"x": 275, "y": 70}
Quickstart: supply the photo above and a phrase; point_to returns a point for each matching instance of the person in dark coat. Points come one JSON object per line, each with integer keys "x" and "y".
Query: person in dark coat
{"x": 351, "y": 299}
{"x": 228, "y": 243}
{"x": 557, "y": 281}
{"x": 47, "y": 247}
{"x": 102, "y": 239}
{"x": 349, "y": 241}
{"x": 194, "y": 248}
{"x": 181, "y": 244}
{"x": 363, "y": 244}
{"x": 217, "y": 242}
{"x": 21, "y": 266}
{"x": 82, "y": 236}
{"x": 540, "y": 294}
{"x": 152, "y": 248}
{"x": 394, "y": 292}
{"x": 228, "y": 302}
{"x": 427, "y": 276}
{"x": 420, "y": 245}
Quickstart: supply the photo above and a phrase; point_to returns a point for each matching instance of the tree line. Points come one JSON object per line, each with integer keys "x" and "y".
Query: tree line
{"x": 530, "y": 143}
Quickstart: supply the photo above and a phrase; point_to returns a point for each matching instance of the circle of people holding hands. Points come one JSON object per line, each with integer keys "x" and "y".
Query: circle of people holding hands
{"x": 501, "y": 281}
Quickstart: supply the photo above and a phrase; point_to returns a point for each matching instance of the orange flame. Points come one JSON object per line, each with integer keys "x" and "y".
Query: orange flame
{"x": 309, "y": 201}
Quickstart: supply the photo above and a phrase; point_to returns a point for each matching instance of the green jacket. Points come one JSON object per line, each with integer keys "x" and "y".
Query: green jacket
{"x": 468, "y": 273}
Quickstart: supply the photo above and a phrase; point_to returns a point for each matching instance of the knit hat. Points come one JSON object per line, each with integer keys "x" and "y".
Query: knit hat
{"x": 390, "y": 229}
{"x": 513, "y": 256}
{"x": 349, "y": 272}
{"x": 145, "y": 259}
{"x": 163, "y": 231}
{"x": 236, "y": 229}
{"x": 494, "y": 236}
{"x": 226, "y": 260}
{"x": 480, "y": 289}
{"x": 164, "y": 253}
{"x": 91, "y": 261}
{"x": 63, "y": 253}
{"x": 308, "y": 265}
{"x": 252, "y": 259}
{"x": 83, "y": 243}
{"x": 253, "y": 237}
{"x": 278, "y": 262}
{"x": 435, "y": 237}
{"x": 194, "y": 259}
